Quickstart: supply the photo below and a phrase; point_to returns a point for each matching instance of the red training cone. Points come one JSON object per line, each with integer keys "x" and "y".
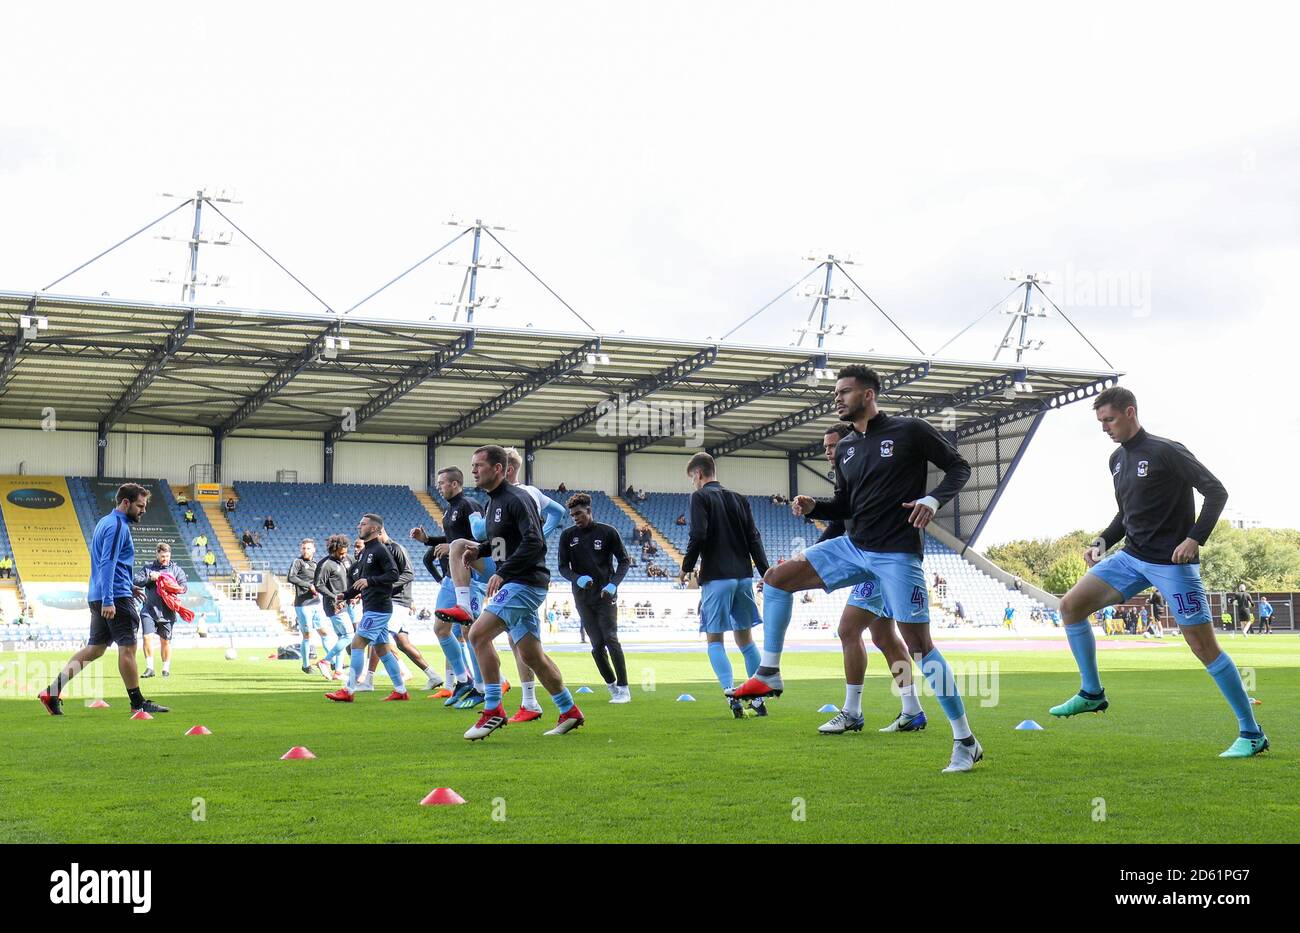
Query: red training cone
{"x": 442, "y": 796}
{"x": 199, "y": 730}
{"x": 296, "y": 753}
{"x": 97, "y": 704}
{"x": 141, "y": 714}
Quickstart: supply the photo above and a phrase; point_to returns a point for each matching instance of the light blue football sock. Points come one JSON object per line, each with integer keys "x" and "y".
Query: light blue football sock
{"x": 354, "y": 669}
{"x": 336, "y": 649}
{"x": 473, "y": 663}
{"x": 1083, "y": 645}
{"x": 777, "y": 608}
{"x": 455, "y": 656}
{"x": 563, "y": 700}
{"x": 753, "y": 657}
{"x": 721, "y": 664}
{"x": 394, "y": 669}
{"x": 1228, "y": 678}
{"x": 306, "y": 650}
{"x": 940, "y": 678}
{"x": 492, "y": 695}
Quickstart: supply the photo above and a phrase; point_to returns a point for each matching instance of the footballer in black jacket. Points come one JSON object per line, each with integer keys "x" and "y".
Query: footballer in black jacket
{"x": 515, "y": 594}
{"x": 880, "y": 494}
{"x": 1157, "y": 519}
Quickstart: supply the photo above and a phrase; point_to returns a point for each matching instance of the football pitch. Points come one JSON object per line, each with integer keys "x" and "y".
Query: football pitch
{"x": 658, "y": 770}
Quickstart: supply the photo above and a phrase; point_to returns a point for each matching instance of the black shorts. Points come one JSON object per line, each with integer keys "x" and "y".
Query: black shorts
{"x": 120, "y": 630}
{"x": 151, "y": 624}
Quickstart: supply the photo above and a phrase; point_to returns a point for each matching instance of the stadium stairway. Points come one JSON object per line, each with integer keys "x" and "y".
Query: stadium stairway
{"x": 666, "y": 546}
{"x": 430, "y": 506}
{"x": 225, "y": 535}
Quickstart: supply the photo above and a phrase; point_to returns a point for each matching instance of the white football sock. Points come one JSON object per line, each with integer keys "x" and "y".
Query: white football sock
{"x": 853, "y": 699}
{"x": 960, "y": 728}
{"x": 167, "y": 666}
{"x": 911, "y": 705}
{"x": 771, "y": 659}
{"x": 529, "y": 688}
{"x": 462, "y": 597}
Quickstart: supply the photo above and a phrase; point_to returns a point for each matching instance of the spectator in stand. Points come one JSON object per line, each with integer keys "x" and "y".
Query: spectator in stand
{"x": 269, "y": 524}
{"x": 562, "y": 488}
{"x": 425, "y": 615}
{"x": 680, "y": 520}
{"x": 189, "y": 516}
{"x": 1265, "y": 615}
{"x": 247, "y": 540}
{"x": 209, "y": 562}
{"x": 6, "y": 566}
{"x": 182, "y": 498}
{"x": 257, "y": 539}
{"x": 961, "y": 613}
{"x": 629, "y": 494}
{"x": 230, "y": 505}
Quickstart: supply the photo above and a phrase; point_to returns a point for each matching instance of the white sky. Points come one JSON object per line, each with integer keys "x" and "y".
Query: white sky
{"x": 665, "y": 167}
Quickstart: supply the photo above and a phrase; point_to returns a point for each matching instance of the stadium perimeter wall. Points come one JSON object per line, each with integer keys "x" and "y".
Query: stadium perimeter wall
{"x": 136, "y": 451}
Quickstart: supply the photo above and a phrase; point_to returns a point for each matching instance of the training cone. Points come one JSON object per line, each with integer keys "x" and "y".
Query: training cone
{"x": 686, "y": 698}
{"x": 505, "y": 686}
{"x": 296, "y": 753}
{"x": 583, "y": 689}
{"x": 442, "y": 797}
{"x": 141, "y": 714}
{"x": 828, "y": 708}
{"x": 97, "y": 704}
{"x": 1029, "y": 726}
{"x": 199, "y": 730}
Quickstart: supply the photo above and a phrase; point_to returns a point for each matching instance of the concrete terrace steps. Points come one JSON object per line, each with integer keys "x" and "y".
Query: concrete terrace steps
{"x": 226, "y": 536}
{"x": 432, "y": 507}
{"x": 666, "y": 546}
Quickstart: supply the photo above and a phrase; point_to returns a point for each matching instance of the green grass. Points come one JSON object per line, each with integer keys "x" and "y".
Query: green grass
{"x": 656, "y": 770}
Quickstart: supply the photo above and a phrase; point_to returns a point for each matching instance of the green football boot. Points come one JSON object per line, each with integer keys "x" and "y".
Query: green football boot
{"x": 1246, "y": 748}
{"x": 1081, "y": 704}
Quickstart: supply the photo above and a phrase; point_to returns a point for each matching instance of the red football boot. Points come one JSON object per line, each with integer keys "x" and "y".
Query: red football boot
{"x": 490, "y": 721}
{"x": 397, "y": 696}
{"x": 53, "y": 705}
{"x": 765, "y": 685}
{"x": 454, "y": 614}
{"x": 526, "y": 715}
{"x": 339, "y": 696}
{"x": 567, "y": 722}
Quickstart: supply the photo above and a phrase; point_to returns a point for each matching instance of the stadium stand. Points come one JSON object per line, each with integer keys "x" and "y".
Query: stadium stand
{"x": 983, "y": 598}
{"x": 316, "y": 510}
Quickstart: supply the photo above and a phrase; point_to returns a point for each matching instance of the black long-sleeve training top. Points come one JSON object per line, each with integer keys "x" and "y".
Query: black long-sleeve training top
{"x": 455, "y": 526}
{"x": 302, "y": 574}
{"x": 152, "y": 601}
{"x": 723, "y": 537}
{"x": 1154, "y": 478}
{"x": 877, "y": 471}
{"x": 380, "y": 571}
{"x": 591, "y": 552}
{"x": 331, "y": 582}
{"x": 405, "y": 574}
{"x": 512, "y": 519}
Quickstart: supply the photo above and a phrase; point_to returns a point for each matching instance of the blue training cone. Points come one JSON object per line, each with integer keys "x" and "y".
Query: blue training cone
{"x": 828, "y": 708}
{"x": 1029, "y": 726}
{"x": 583, "y": 689}
{"x": 686, "y": 698}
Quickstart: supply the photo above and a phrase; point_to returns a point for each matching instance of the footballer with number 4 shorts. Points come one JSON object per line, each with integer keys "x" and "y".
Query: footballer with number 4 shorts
{"x": 1154, "y": 478}
{"x": 880, "y": 494}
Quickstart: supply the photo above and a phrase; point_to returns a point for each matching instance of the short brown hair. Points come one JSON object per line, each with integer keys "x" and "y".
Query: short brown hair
{"x": 131, "y": 492}
{"x": 703, "y": 461}
{"x": 579, "y": 500}
{"x": 163, "y": 546}
{"x": 841, "y": 429}
{"x": 454, "y": 474}
{"x": 496, "y": 455}
{"x": 1116, "y": 397}
{"x": 311, "y": 541}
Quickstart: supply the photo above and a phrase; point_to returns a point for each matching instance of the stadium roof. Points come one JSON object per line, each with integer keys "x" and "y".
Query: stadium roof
{"x": 110, "y": 361}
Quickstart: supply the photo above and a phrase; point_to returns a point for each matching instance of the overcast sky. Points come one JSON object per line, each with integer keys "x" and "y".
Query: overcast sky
{"x": 665, "y": 167}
